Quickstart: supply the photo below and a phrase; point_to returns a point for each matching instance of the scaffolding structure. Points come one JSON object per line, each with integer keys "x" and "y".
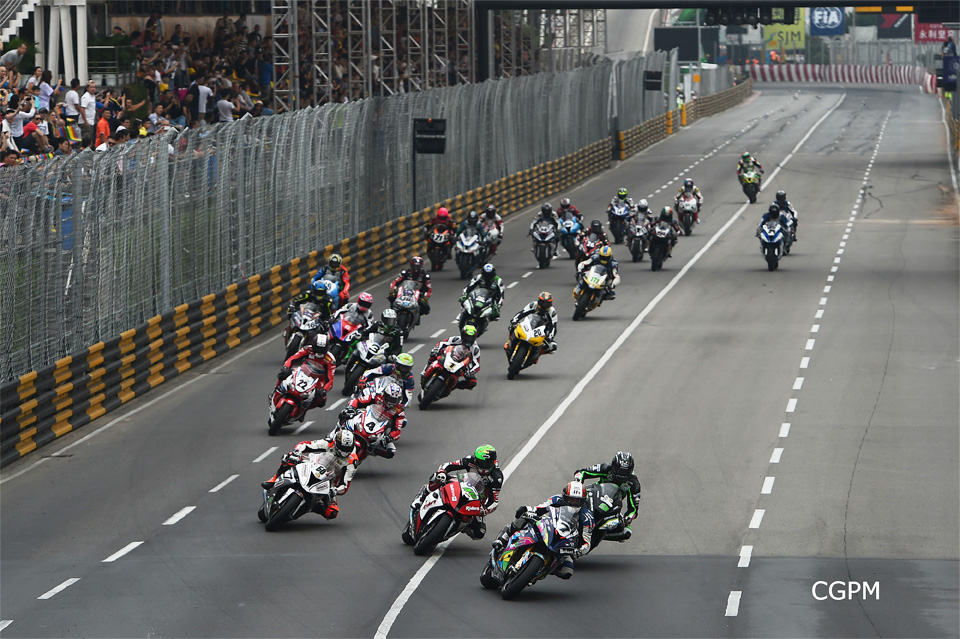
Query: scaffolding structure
{"x": 534, "y": 40}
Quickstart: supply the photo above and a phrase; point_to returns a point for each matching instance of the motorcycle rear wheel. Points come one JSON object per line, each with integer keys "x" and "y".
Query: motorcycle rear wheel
{"x": 280, "y": 418}
{"x": 284, "y": 514}
{"x": 429, "y": 540}
{"x": 514, "y": 585}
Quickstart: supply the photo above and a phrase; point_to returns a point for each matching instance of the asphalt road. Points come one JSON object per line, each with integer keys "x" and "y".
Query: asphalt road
{"x": 857, "y": 479}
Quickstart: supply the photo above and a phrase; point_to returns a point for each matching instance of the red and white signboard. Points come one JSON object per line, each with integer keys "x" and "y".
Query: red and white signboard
{"x": 930, "y": 32}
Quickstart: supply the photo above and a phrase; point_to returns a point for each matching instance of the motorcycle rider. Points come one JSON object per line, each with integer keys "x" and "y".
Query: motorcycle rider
{"x": 598, "y": 234}
{"x": 417, "y": 273}
{"x": 574, "y": 494}
{"x": 746, "y": 163}
{"x": 690, "y": 187}
{"x": 666, "y": 215}
{"x": 362, "y": 306}
{"x": 335, "y": 265}
{"x": 774, "y": 212}
{"x": 473, "y": 221}
{"x": 603, "y": 257}
{"x": 622, "y": 197}
{"x": 467, "y": 337}
{"x": 543, "y": 307}
{"x": 387, "y": 326}
{"x": 343, "y": 445}
{"x": 316, "y": 294}
{"x": 391, "y": 400}
{"x": 786, "y": 206}
{"x": 619, "y": 472}
{"x": 483, "y": 461}
{"x": 400, "y": 367}
{"x": 546, "y": 214}
{"x": 491, "y": 217}
{"x": 567, "y": 207}
{"x": 642, "y": 215}
{"x": 320, "y": 361}
{"x": 443, "y": 220}
{"x": 488, "y": 279}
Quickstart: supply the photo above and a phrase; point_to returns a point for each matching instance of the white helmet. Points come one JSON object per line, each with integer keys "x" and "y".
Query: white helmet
{"x": 392, "y": 395}
{"x": 343, "y": 443}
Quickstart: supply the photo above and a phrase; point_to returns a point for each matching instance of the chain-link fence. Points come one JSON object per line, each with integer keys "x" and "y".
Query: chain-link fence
{"x": 96, "y": 243}
{"x": 886, "y": 52}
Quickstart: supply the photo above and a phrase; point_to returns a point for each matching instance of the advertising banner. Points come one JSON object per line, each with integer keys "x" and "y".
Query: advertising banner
{"x": 826, "y": 21}
{"x": 930, "y": 32}
{"x": 895, "y": 25}
{"x": 788, "y": 37}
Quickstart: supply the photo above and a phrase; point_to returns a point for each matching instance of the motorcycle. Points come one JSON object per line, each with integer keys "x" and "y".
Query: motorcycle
{"x": 659, "y": 244}
{"x": 440, "y": 377}
{"x": 772, "y": 243}
{"x": 304, "y": 325}
{"x": 302, "y": 488}
{"x": 618, "y": 215}
{"x": 569, "y": 232}
{"x": 605, "y": 501}
{"x": 687, "y": 211}
{"x": 370, "y": 426}
{"x": 367, "y": 355}
{"x": 750, "y": 182}
{"x": 637, "y": 239}
{"x": 544, "y": 242}
{"x": 407, "y": 306}
{"x": 477, "y": 309}
{"x": 592, "y": 285}
{"x": 345, "y": 331}
{"x": 526, "y": 342}
{"x": 470, "y": 252}
{"x": 493, "y": 235}
{"x": 292, "y": 397}
{"x": 445, "y": 512}
{"x": 588, "y": 244}
{"x": 533, "y": 553}
{"x": 438, "y": 246}
{"x": 331, "y": 281}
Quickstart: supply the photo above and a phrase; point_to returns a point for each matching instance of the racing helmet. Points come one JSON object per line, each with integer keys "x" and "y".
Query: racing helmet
{"x": 666, "y": 213}
{"x": 605, "y": 254}
{"x": 774, "y": 209}
{"x": 544, "y": 302}
{"x": 392, "y": 395}
{"x": 416, "y": 264}
{"x": 622, "y": 193}
{"x": 596, "y": 227}
{"x": 622, "y": 466}
{"x": 491, "y": 211}
{"x": 468, "y": 334}
{"x": 473, "y": 217}
{"x": 334, "y": 262}
{"x": 404, "y": 363}
{"x": 443, "y": 214}
{"x": 642, "y": 207}
{"x": 343, "y": 443}
{"x": 782, "y": 197}
{"x": 745, "y": 156}
{"x": 389, "y": 317}
{"x": 574, "y": 494}
{"x": 565, "y": 204}
{"x": 365, "y": 301}
{"x": 319, "y": 345}
{"x": 485, "y": 458}
{"x": 688, "y": 185}
{"x": 546, "y": 209}
{"x": 488, "y": 272}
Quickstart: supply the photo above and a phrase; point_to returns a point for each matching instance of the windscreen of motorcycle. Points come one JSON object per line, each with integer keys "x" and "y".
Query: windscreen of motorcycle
{"x": 563, "y": 526}
{"x": 409, "y": 288}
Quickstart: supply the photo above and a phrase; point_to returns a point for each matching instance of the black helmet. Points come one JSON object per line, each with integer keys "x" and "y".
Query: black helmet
{"x": 319, "y": 345}
{"x": 473, "y": 217}
{"x": 666, "y": 213}
{"x": 774, "y": 209}
{"x": 488, "y": 272}
{"x": 491, "y": 210}
{"x": 416, "y": 263}
{"x": 596, "y": 227}
{"x": 688, "y": 184}
{"x": 622, "y": 466}
{"x": 485, "y": 457}
{"x": 334, "y": 262}
{"x": 565, "y": 204}
{"x": 781, "y": 196}
{"x": 544, "y": 302}
{"x": 547, "y": 208}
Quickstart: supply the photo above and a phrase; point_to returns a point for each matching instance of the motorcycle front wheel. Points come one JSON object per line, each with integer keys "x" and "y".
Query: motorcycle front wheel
{"x": 516, "y": 362}
{"x": 429, "y": 540}
{"x": 280, "y": 418}
{"x": 284, "y": 514}
{"x": 353, "y": 376}
{"x": 295, "y": 340}
{"x": 512, "y": 586}
{"x": 581, "y": 309}
{"x": 431, "y": 392}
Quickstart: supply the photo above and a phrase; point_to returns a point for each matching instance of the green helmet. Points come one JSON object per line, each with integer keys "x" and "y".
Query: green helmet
{"x": 405, "y": 362}
{"x": 745, "y": 156}
{"x": 470, "y": 330}
{"x": 622, "y": 193}
{"x": 486, "y": 458}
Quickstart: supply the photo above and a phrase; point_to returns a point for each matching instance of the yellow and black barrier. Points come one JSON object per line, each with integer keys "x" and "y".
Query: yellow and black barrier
{"x": 42, "y": 405}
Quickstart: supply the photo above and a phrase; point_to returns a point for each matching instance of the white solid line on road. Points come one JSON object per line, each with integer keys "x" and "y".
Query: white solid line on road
{"x": 120, "y": 553}
{"x": 757, "y": 518}
{"x": 343, "y": 399}
{"x": 439, "y": 333}
{"x": 798, "y": 383}
{"x": 223, "y": 483}
{"x": 804, "y": 362}
{"x": 775, "y": 457}
{"x": 745, "y": 553}
{"x": 767, "y": 486}
{"x": 416, "y": 348}
{"x": 733, "y": 603}
{"x": 792, "y": 405}
{"x": 810, "y": 343}
{"x": 5, "y": 622}
{"x": 269, "y": 452}
{"x": 302, "y": 428}
{"x": 512, "y": 284}
{"x": 63, "y": 586}
{"x": 784, "y": 429}
{"x": 384, "y": 628}
{"x": 527, "y": 274}
{"x": 179, "y": 515}
{"x": 815, "y": 328}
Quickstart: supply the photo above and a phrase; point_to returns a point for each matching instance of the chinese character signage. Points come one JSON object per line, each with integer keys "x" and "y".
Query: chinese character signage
{"x": 785, "y": 36}
{"x": 826, "y": 21}
{"x": 930, "y": 32}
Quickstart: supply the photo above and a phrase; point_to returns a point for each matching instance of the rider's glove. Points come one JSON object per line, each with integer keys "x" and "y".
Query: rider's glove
{"x": 291, "y": 458}
{"x": 522, "y": 512}
{"x": 338, "y": 490}
{"x": 283, "y": 373}
{"x": 578, "y": 553}
{"x": 578, "y": 476}
{"x": 440, "y": 478}
{"x": 346, "y": 414}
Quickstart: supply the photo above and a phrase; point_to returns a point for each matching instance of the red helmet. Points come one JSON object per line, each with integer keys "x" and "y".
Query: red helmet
{"x": 365, "y": 301}
{"x": 443, "y": 213}
{"x": 416, "y": 263}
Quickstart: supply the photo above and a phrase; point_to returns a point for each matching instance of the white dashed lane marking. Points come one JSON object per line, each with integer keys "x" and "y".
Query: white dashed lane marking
{"x": 120, "y": 553}
{"x": 775, "y": 457}
{"x": 269, "y": 452}
{"x": 63, "y": 586}
{"x": 183, "y": 512}
{"x": 342, "y": 400}
{"x": 733, "y": 603}
{"x": 416, "y": 348}
{"x": 784, "y": 429}
{"x": 745, "y": 553}
{"x": 767, "y": 487}
{"x": 438, "y": 333}
{"x": 302, "y": 428}
{"x": 223, "y": 483}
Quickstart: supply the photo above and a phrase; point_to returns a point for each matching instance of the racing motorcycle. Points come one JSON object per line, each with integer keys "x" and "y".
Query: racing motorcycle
{"x": 592, "y": 288}
{"x": 445, "y": 512}
{"x": 636, "y": 239}
{"x": 367, "y": 354}
{"x": 470, "y": 252}
{"x": 750, "y": 181}
{"x": 292, "y": 397}
{"x": 441, "y": 376}
{"x": 605, "y": 501}
{"x": 331, "y": 282}
{"x": 477, "y": 309}
{"x": 659, "y": 244}
{"x": 301, "y": 488}
{"x": 371, "y": 426}
{"x": 438, "y": 246}
{"x": 346, "y": 329}
{"x": 569, "y": 232}
{"x": 587, "y": 245}
{"x": 618, "y": 215}
{"x": 303, "y": 327}
{"x": 534, "y": 552}
{"x": 526, "y": 342}
{"x": 772, "y": 243}
{"x": 493, "y": 235}
{"x": 544, "y": 242}
{"x": 687, "y": 211}
{"x": 407, "y": 306}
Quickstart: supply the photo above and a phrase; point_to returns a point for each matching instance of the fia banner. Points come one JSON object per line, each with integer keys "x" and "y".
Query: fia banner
{"x": 826, "y": 21}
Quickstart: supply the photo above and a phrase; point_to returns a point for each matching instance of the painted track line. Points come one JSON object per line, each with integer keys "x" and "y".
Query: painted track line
{"x": 269, "y": 452}
{"x": 733, "y": 603}
{"x": 61, "y": 587}
{"x": 120, "y": 553}
{"x": 336, "y": 403}
{"x": 4, "y": 623}
{"x": 180, "y": 514}
{"x": 222, "y": 484}
{"x": 745, "y": 554}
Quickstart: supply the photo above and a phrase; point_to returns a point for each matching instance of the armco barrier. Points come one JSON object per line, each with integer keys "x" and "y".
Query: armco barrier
{"x": 849, "y": 73}
{"x": 42, "y": 405}
{"x": 643, "y": 135}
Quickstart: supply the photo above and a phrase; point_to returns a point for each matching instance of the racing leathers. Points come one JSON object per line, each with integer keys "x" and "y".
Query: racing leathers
{"x": 746, "y": 165}
{"x": 629, "y": 491}
{"x": 392, "y": 334}
{"x": 674, "y": 232}
{"x": 469, "y": 380}
{"x": 550, "y": 316}
{"x": 496, "y": 288}
{"x": 482, "y": 235}
{"x": 787, "y": 207}
{"x": 323, "y": 362}
{"x": 613, "y": 275}
{"x": 344, "y": 467}
{"x": 318, "y": 297}
{"x": 780, "y": 216}
{"x": 493, "y": 228}
{"x": 697, "y": 194}
{"x": 406, "y": 381}
{"x": 524, "y": 513}
{"x": 492, "y": 482}
{"x": 367, "y": 314}
{"x": 370, "y": 396}
{"x": 343, "y": 276}
{"x": 426, "y": 289}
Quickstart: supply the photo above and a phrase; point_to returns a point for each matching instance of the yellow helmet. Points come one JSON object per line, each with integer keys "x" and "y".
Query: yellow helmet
{"x": 605, "y": 254}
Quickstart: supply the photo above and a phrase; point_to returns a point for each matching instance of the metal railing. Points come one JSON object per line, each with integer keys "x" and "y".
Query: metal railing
{"x": 883, "y": 52}
{"x": 104, "y": 65}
